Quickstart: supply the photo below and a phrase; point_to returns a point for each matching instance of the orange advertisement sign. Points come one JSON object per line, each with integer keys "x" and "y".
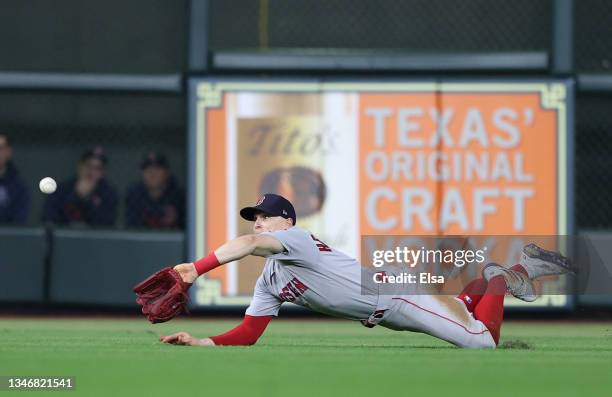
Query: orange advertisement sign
{"x": 375, "y": 158}
{"x": 457, "y": 163}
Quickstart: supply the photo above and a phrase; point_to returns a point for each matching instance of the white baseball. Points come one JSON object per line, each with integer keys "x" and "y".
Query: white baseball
{"x": 47, "y": 185}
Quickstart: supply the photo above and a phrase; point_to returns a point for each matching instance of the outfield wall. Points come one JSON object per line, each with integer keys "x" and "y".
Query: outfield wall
{"x": 99, "y": 268}
{"x": 84, "y": 267}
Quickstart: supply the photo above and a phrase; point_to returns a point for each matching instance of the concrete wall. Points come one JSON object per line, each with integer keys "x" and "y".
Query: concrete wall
{"x": 86, "y": 267}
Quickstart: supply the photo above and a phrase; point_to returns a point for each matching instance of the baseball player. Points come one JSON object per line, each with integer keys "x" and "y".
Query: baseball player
{"x": 304, "y": 270}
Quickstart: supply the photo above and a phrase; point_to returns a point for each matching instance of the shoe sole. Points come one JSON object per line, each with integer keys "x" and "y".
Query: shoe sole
{"x": 529, "y": 297}
{"x": 555, "y": 258}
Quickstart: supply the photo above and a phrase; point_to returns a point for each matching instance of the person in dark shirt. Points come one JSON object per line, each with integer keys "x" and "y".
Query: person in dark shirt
{"x": 156, "y": 202}
{"x": 14, "y": 195}
{"x": 87, "y": 198}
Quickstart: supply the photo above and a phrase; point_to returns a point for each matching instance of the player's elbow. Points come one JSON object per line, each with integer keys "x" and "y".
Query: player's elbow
{"x": 248, "y": 243}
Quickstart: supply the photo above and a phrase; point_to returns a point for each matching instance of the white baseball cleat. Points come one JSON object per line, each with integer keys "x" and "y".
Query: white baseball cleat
{"x": 539, "y": 262}
{"x": 518, "y": 284}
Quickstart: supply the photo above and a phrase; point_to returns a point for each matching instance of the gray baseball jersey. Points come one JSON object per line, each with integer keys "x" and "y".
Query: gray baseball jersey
{"x": 311, "y": 274}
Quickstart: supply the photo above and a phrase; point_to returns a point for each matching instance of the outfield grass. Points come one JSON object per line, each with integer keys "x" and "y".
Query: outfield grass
{"x": 306, "y": 358}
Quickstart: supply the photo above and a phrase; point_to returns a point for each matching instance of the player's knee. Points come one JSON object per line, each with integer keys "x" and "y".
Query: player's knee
{"x": 482, "y": 342}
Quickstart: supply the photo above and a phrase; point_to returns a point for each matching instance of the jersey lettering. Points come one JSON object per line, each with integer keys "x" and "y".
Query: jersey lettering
{"x": 321, "y": 245}
{"x": 286, "y": 295}
{"x": 299, "y": 285}
{"x": 292, "y": 290}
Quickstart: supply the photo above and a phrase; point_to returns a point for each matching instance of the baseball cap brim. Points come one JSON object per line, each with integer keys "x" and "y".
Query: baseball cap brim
{"x": 248, "y": 213}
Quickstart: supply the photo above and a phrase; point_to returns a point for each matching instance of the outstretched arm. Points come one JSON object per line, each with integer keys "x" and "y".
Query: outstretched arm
{"x": 245, "y": 334}
{"x": 238, "y": 248}
{"x": 252, "y": 327}
{"x": 250, "y": 244}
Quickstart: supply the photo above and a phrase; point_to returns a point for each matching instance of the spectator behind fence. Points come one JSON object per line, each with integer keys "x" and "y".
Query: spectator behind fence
{"x": 156, "y": 202}
{"x": 14, "y": 195}
{"x": 87, "y": 198}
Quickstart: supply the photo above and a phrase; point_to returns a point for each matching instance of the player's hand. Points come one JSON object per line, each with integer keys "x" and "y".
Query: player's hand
{"x": 183, "y": 338}
{"x": 187, "y": 271}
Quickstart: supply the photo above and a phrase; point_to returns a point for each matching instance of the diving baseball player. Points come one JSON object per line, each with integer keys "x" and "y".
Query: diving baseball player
{"x": 304, "y": 270}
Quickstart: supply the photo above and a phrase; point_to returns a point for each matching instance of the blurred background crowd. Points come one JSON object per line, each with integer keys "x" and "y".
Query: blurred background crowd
{"x": 90, "y": 198}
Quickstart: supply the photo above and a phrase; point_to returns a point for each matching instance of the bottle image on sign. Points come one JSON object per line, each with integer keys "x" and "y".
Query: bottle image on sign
{"x": 298, "y": 146}
{"x": 303, "y": 186}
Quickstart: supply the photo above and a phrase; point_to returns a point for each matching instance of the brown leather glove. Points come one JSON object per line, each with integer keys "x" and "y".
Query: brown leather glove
{"x": 163, "y": 295}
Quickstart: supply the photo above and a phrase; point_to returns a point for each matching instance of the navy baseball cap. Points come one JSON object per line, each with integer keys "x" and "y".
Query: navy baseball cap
{"x": 156, "y": 159}
{"x": 271, "y": 204}
{"x": 95, "y": 153}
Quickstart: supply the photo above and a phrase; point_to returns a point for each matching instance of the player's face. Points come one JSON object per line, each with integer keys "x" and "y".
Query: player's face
{"x": 269, "y": 223}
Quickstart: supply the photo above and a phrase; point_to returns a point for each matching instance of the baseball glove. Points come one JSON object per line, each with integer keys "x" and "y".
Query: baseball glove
{"x": 163, "y": 295}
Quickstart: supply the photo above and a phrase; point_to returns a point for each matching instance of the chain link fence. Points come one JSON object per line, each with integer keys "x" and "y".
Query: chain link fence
{"x": 112, "y": 36}
{"x": 52, "y": 131}
{"x": 592, "y": 36}
{"x": 417, "y": 25}
{"x": 72, "y": 135}
{"x": 593, "y": 54}
{"x": 593, "y": 162}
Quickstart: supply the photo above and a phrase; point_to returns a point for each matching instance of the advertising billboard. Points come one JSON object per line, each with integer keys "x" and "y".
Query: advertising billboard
{"x": 368, "y": 158}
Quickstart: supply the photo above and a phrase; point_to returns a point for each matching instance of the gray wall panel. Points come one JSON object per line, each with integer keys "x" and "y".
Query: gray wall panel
{"x": 96, "y": 267}
{"x": 596, "y": 251}
{"x": 22, "y": 254}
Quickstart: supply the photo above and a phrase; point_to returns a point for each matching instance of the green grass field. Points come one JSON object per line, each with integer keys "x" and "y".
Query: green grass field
{"x": 306, "y": 358}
